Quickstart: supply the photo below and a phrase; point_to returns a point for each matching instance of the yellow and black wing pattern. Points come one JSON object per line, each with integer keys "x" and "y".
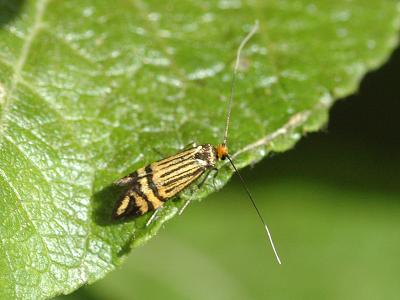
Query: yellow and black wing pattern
{"x": 149, "y": 187}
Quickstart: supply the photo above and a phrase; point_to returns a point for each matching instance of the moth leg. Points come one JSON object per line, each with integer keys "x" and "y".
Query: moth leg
{"x": 199, "y": 186}
{"x": 215, "y": 176}
{"x": 153, "y": 216}
{"x": 190, "y": 145}
{"x": 187, "y": 202}
{"x": 184, "y": 206}
{"x": 158, "y": 152}
{"x": 206, "y": 176}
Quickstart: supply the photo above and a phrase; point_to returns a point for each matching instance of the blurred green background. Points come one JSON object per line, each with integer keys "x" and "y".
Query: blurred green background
{"x": 332, "y": 204}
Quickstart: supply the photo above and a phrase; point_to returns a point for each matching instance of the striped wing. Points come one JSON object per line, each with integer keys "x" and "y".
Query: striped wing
{"x": 175, "y": 173}
{"x": 156, "y": 183}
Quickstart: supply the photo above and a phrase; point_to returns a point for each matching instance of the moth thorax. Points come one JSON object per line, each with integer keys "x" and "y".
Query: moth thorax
{"x": 207, "y": 155}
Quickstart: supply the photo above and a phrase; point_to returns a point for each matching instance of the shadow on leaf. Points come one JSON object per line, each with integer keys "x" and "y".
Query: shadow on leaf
{"x": 103, "y": 203}
{"x": 127, "y": 247}
{"x": 9, "y": 10}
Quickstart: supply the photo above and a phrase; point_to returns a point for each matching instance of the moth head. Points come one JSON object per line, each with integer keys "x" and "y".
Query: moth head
{"x": 222, "y": 151}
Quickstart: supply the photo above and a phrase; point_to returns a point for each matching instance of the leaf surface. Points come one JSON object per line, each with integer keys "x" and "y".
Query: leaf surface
{"x": 91, "y": 91}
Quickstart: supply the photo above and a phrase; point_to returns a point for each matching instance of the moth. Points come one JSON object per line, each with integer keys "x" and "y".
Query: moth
{"x": 152, "y": 185}
{"x": 148, "y": 188}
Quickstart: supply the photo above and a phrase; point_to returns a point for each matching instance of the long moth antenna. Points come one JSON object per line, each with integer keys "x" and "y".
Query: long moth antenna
{"x": 257, "y": 210}
{"x": 242, "y": 44}
{"x": 223, "y": 148}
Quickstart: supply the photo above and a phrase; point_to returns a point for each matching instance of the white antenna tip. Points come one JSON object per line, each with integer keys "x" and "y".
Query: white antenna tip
{"x": 272, "y": 245}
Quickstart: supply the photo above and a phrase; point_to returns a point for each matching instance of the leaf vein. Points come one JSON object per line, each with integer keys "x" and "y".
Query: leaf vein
{"x": 69, "y": 45}
{"x": 24, "y": 209}
{"x": 12, "y": 142}
{"x": 36, "y": 27}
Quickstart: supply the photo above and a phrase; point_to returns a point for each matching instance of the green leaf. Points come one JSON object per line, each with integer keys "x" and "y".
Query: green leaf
{"x": 89, "y": 90}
